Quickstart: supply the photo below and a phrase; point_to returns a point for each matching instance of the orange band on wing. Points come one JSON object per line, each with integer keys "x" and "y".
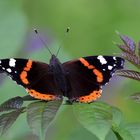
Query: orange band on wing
{"x": 95, "y": 71}
{"x": 91, "y": 97}
{"x": 86, "y": 64}
{"x": 40, "y": 96}
{"x": 28, "y": 65}
{"x": 23, "y": 75}
{"x": 98, "y": 74}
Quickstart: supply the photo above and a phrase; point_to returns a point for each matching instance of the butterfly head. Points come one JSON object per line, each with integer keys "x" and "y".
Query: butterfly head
{"x": 54, "y": 60}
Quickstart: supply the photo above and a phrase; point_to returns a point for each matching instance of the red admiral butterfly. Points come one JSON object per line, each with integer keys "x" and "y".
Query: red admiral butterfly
{"x": 78, "y": 80}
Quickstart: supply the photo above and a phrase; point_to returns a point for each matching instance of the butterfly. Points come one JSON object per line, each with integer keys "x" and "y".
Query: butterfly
{"x": 79, "y": 80}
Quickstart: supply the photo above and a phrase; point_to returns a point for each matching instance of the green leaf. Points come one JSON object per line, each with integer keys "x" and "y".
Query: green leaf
{"x": 134, "y": 129}
{"x": 13, "y": 103}
{"x": 122, "y": 133}
{"x": 94, "y": 117}
{"x": 117, "y": 116}
{"x": 7, "y": 119}
{"x": 28, "y": 98}
{"x": 40, "y": 114}
{"x": 111, "y": 136}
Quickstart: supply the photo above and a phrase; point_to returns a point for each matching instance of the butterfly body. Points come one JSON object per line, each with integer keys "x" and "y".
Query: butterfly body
{"x": 79, "y": 80}
{"x": 59, "y": 75}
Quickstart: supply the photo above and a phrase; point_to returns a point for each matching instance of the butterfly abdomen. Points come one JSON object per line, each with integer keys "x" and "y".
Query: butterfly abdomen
{"x": 59, "y": 75}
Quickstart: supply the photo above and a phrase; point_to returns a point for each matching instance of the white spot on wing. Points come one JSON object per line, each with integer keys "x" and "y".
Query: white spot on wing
{"x": 114, "y": 58}
{"x": 110, "y": 67}
{"x": 12, "y": 62}
{"x": 3, "y": 68}
{"x": 9, "y": 70}
{"x": 101, "y": 59}
{"x": 0, "y": 62}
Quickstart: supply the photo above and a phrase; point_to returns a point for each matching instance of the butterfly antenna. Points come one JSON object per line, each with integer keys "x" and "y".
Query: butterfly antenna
{"x": 43, "y": 42}
{"x": 59, "y": 46}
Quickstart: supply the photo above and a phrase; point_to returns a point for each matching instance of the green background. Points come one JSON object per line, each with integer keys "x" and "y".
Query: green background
{"x": 93, "y": 24}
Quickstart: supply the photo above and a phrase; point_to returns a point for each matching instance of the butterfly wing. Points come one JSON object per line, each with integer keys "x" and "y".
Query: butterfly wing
{"x": 32, "y": 75}
{"x": 88, "y": 74}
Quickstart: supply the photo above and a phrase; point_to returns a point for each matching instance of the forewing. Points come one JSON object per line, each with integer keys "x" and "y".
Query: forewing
{"x": 32, "y": 75}
{"x": 86, "y": 75}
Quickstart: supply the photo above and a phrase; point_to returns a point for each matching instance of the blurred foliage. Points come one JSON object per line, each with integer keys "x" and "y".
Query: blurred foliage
{"x": 40, "y": 115}
{"x": 98, "y": 118}
{"x": 131, "y": 53}
{"x": 93, "y": 24}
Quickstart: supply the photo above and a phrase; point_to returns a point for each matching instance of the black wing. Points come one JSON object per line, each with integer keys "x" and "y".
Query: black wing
{"x": 88, "y": 74}
{"x": 32, "y": 75}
